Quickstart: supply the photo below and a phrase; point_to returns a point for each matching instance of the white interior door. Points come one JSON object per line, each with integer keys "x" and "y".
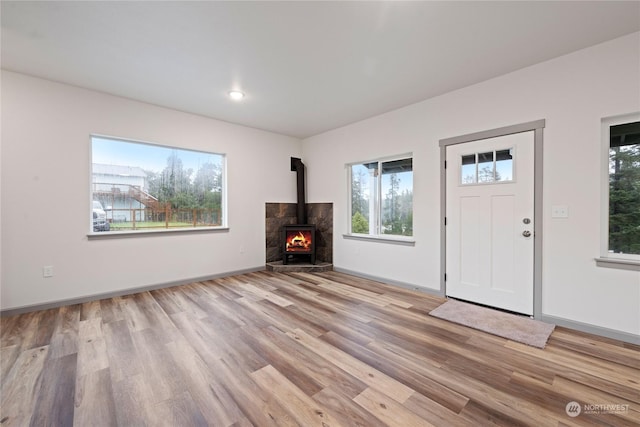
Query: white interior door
{"x": 489, "y": 217}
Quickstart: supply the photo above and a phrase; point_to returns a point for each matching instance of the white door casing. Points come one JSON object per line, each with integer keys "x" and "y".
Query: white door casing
{"x": 489, "y": 257}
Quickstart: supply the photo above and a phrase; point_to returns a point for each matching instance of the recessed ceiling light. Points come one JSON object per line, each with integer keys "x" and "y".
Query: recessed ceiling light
{"x": 236, "y": 95}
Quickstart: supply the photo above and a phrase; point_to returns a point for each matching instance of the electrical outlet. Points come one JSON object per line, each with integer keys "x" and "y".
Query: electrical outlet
{"x": 559, "y": 211}
{"x": 47, "y": 271}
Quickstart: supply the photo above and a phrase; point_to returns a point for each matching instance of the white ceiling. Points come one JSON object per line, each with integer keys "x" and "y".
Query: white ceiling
{"x": 306, "y": 67}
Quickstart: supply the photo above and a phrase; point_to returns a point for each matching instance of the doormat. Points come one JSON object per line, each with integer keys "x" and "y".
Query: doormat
{"x": 517, "y": 328}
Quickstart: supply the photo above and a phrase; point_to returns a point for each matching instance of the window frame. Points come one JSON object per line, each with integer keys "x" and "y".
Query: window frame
{"x": 159, "y": 231}
{"x": 609, "y": 259}
{"x": 513, "y": 180}
{"x": 378, "y": 203}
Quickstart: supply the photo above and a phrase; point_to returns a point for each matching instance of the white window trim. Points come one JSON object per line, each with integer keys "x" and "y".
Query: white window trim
{"x": 381, "y": 238}
{"x": 141, "y": 233}
{"x": 607, "y": 259}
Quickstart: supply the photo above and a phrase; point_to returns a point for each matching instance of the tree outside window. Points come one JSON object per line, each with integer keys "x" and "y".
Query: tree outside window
{"x": 382, "y": 197}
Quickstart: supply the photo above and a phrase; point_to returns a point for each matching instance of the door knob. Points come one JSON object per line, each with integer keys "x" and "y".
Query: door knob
{"x": 526, "y": 233}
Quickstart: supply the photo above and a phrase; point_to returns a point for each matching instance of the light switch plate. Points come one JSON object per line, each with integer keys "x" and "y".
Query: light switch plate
{"x": 47, "y": 271}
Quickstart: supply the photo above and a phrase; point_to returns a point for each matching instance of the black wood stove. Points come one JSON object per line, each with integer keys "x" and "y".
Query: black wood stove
{"x": 299, "y": 240}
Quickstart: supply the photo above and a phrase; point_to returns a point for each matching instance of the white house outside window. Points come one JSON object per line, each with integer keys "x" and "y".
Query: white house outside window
{"x": 141, "y": 187}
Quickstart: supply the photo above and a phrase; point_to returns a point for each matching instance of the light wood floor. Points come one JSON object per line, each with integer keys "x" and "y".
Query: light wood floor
{"x": 321, "y": 349}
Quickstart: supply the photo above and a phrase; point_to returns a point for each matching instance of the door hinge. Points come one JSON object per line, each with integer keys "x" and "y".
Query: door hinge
{"x": 445, "y": 277}
{"x": 445, "y": 164}
{"x": 445, "y": 220}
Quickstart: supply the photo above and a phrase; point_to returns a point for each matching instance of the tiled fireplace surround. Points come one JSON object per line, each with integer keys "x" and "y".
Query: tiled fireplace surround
{"x": 279, "y": 214}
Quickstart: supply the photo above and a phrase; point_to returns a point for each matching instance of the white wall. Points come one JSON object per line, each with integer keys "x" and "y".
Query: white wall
{"x": 572, "y": 93}
{"x": 45, "y": 194}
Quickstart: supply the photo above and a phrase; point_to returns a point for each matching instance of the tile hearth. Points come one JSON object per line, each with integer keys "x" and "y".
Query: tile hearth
{"x": 293, "y": 267}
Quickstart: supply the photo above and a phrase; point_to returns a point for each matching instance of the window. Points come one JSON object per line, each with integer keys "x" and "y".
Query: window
{"x": 623, "y": 235}
{"x": 381, "y": 194}
{"x": 485, "y": 168}
{"x": 144, "y": 187}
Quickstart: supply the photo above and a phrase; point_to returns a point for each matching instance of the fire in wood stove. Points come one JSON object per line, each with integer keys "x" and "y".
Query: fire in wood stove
{"x": 298, "y": 240}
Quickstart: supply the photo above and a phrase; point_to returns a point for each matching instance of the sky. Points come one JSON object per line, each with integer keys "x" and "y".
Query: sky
{"x": 147, "y": 156}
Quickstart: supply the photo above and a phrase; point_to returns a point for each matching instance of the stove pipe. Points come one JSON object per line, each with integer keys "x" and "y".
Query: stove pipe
{"x": 298, "y": 167}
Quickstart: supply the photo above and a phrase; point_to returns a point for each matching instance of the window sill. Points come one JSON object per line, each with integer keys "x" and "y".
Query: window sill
{"x": 147, "y": 233}
{"x": 395, "y": 240}
{"x": 622, "y": 264}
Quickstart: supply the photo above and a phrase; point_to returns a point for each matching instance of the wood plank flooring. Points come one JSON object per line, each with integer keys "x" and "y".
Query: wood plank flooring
{"x": 297, "y": 349}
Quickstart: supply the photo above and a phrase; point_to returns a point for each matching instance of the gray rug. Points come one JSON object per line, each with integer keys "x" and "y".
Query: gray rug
{"x": 511, "y": 326}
